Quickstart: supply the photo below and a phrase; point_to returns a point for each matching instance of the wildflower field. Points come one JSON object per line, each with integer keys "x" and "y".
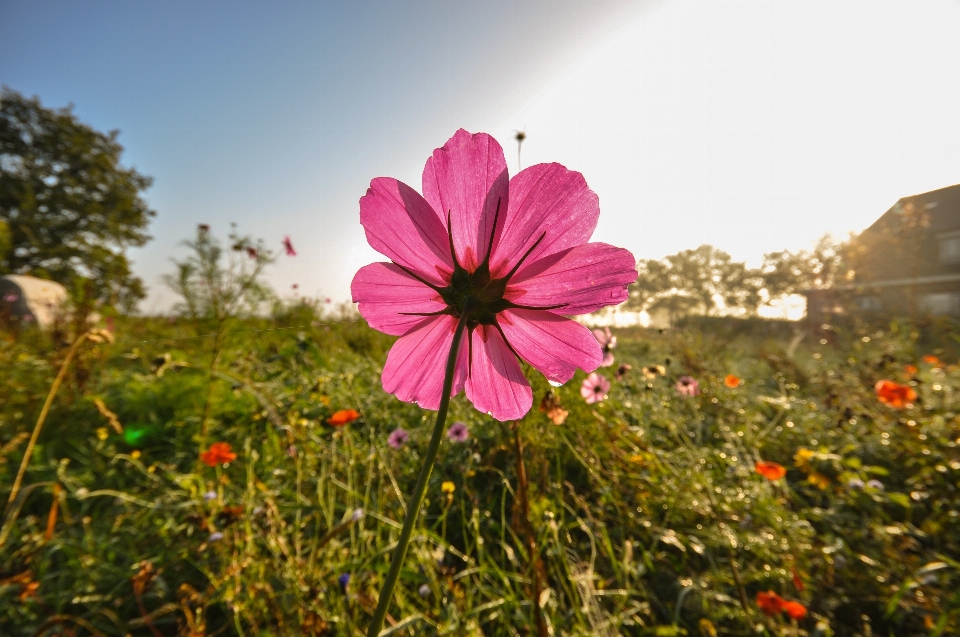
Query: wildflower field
{"x": 726, "y": 477}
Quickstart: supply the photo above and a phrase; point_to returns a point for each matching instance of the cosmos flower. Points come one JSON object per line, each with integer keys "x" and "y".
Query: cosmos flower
{"x": 687, "y": 386}
{"x": 875, "y": 484}
{"x": 930, "y": 359}
{"x": 288, "y": 247}
{"x": 770, "y": 470}
{"x": 357, "y": 515}
{"x": 652, "y": 371}
{"x": 210, "y": 495}
{"x": 894, "y": 394}
{"x": 510, "y": 257}
{"x": 252, "y": 252}
{"x": 458, "y": 432}
{"x": 343, "y": 417}
{"x": 795, "y": 610}
{"x": 423, "y": 591}
{"x": 11, "y": 298}
{"x": 623, "y": 370}
{"x": 595, "y": 388}
{"x": 607, "y": 342}
{"x": 770, "y": 603}
{"x": 855, "y": 483}
{"x": 216, "y": 536}
{"x": 731, "y": 381}
{"x": 910, "y": 370}
{"x": 218, "y": 453}
{"x": 398, "y": 437}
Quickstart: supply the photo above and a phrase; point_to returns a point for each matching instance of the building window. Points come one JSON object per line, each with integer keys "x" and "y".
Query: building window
{"x": 869, "y": 303}
{"x": 950, "y": 247}
{"x": 942, "y": 303}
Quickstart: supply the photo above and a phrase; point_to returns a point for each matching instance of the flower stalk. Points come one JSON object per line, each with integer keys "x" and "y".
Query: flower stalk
{"x": 416, "y": 500}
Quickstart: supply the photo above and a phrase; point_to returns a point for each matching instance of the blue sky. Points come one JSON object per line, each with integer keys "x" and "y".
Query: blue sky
{"x": 754, "y": 126}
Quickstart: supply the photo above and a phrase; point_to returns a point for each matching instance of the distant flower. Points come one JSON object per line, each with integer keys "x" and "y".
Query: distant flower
{"x": 623, "y": 370}
{"x": 595, "y": 388}
{"x": 930, "y": 359}
{"x": 652, "y": 371}
{"x": 855, "y": 483}
{"x": 802, "y": 459}
{"x": 875, "y": 484}
{"x": 357, "y": 515}
{"x": 216, "y": 536}
{"x": 511, "y": 256}
{"x": 202, "y": 227}
{"x": 458, "y": 432}
{"x": 328, "y": 300}
{"x": 423, "y": 591}
{"x": 292, "y": 451}
{"x": 818, "y": 480}
{"x": 910, "y": 370}
{"x": 795, "y": 610}
{"x": 252, "y": 252}
{"x": 210, "y": 495}
{"x": 343, "y": 580}
{"x": 219, "y": 453}
{"x": 607, "y": 342}
{"x": 28, "y": 318}
{"x": 398, "y": 437}
{"x": 770, "y": 603}
{"x": 295, "y": 286}
{"x": 770, "y": 470}
{"x": 11, "y": 298}
{"x": 687, "y": 386}
{"x": 288, "y": 246}
{"x": 797, "y": 582}
{"x": 550, "y": 405}
{"x": 731, "y": 381}
{"x": 102, "y": 433}
{"x": 894, "y": 394}
{"x": 343, "y": 417}
{"x": 448, "y": 487}
{"x": 135, "y": 454}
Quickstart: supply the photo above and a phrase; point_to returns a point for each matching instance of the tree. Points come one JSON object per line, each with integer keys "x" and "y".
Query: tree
{"x": 70, "y": 208}
{"x": 824, "y": 266}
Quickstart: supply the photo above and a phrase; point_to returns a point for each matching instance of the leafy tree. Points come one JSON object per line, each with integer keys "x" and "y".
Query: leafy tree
{"x": 70, "y": 208}
{"x": 824, "y": 266}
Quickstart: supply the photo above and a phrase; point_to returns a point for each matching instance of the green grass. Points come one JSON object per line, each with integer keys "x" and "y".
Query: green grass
{"x": 641, "y": 515}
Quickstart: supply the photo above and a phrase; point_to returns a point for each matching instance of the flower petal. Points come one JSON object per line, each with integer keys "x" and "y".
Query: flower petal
{"x": 555, "y": 345}
{"x": 467, "y": 177}
{"x": 545, "y": 199}
{"x": 496, "y": 384}
{"x": 401, "y": 225}
{"x": 585, "y": 278}
{"x": 416, "y": 362}
{"x": 384, "y": 291}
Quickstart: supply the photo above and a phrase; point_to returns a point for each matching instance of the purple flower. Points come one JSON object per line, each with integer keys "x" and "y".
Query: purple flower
{"x": 607, "y": 342}
{"x": 687, "y": 386}
{"x": 216, "y": 536}
{"x": 423, "y": 591}
{"x": 344, "y": 579}
{"x": 398, "y": 438}
{"x": 875, "y": 484}
{"x": 458, "y": 432}
{"x": 855, "y": 483}
{"x": 595, "y": 388}
{"x": 210, "y": 495}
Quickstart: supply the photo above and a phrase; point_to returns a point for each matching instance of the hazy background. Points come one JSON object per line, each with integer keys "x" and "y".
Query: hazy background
{"x": 752, "y": 126}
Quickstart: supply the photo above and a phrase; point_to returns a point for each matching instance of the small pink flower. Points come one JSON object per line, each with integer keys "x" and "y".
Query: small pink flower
{"x": 11, "y": 298}
{"x": 288, "y": 246}
{"x": 398, "y": 438}
{"x": 607, "y": 342}
{"x": 252, "y": 252}
{"x": 687, "y": 386}
{"x": 595, "y": 388}
{"x": 458, "y": 432}
{"x": 512, "y": 254}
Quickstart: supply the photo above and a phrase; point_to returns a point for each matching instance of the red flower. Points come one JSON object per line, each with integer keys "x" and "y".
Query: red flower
{"x": 288, "y": 246}
{"x": 252, "y": 252}
{"x": 731, "y": 381}
{"x": 219, "y": 453}
{"x": 796, "y": 610}
{"x": 770, "y": 470}
{"x": 930, "y": 359}
{"x": 894, "y": 394}
{"x": 910, "y": 370}
{"x": 343, "y": 417}
{"x": 770, "y": 603}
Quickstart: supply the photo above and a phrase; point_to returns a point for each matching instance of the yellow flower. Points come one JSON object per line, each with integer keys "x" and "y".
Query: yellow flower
{"x": 802, "y": 459}
{"x": 818, "y": 480}
{"x": 102, "y": 433}
{"x": 448, "y": 487}
{"x": 135, "y": 454}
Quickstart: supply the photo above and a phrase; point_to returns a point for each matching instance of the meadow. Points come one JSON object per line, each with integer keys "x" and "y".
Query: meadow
{"x": 645, "y": 513}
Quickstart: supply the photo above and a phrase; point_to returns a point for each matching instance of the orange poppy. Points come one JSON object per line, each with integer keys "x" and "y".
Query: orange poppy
{"x": 910, "y": 370}
{"x": 930, "y": 359}
{"x": 343, "y": 417}
{"x": 731, "y": 381}
{"x": 770, "y": 603}
{"x": 218, "y": 453}
{"x": 770, "y": 470}
{"x": 894, "y": 394}
{"x": 796, "y": 610}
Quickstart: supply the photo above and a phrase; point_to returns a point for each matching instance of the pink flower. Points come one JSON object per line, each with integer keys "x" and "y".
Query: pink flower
{"x": 398, "y": 437}
{"x": 458, "y": 432}
{"x": 607, "y": 342}
{"x": 288, "y": 246}
{"x": 595, "y": 388}
{"x": 687, "y": 386}
{"x": 511, "y": 254}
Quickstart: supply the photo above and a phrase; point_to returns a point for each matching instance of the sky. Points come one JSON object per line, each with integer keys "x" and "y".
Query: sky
{"x": 752, "y": 126}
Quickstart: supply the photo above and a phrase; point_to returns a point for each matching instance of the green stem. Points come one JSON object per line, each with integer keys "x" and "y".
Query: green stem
{"x": 413, "y": 508}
